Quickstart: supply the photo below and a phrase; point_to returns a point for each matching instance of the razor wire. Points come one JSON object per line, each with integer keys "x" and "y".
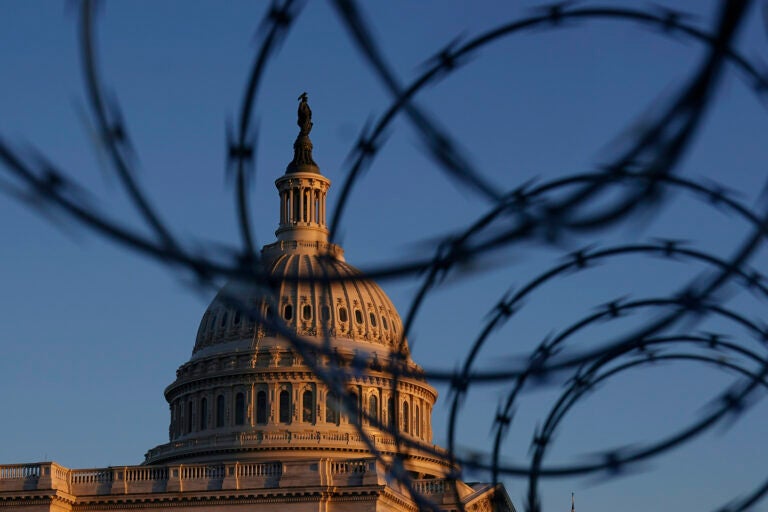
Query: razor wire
{"x": 641, "y": 177}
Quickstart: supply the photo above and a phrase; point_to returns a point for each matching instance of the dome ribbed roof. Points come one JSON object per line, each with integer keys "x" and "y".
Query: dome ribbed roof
{"x": 316, "y": 294}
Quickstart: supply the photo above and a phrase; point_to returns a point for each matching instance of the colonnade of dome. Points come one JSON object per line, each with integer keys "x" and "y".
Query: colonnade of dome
{"x": 274, "y": 401}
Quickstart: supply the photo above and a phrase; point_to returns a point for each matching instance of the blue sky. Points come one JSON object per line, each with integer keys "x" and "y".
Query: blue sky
{"x": 92, "y": 333}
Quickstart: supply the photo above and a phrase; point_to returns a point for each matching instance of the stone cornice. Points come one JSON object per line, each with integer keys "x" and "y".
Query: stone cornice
{"x": 35, "y": 498}
{"x": 260, "y": 446}
{"x": 219, "y": 498}
{"x": 258, "y": 375}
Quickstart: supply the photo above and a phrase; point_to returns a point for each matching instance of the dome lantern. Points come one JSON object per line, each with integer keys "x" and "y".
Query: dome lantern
{"x": 302, "y": 188}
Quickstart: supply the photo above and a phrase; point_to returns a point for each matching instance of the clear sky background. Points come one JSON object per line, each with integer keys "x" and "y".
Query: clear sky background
{"x": 91, "y": 333}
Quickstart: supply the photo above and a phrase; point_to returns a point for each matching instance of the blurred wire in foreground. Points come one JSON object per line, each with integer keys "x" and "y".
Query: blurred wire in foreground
{"x": 641, "y": 177}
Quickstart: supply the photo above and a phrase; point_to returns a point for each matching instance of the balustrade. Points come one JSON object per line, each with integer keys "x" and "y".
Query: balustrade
{"x": 182, "y": 477}
{"x": 436, "y": 486}
{"x": 60, "y": 473}
{"x": 19, "y": 471}
{"x": 91, "y": 476}
{"x": 202, "y": 472}
{"x": 351, "y": 466}
{"x": 141, "y": 473}
{"x": 270, "y": 469}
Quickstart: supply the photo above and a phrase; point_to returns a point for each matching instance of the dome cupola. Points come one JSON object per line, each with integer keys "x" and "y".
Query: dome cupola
{"x": 302, "y": 188}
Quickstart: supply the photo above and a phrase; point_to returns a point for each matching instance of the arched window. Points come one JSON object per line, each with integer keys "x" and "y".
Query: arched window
{"x": 332, "y": 409}
{"x": 219, "y": 411}
{"x": 261, "y": 407}
{"x": 189, "y": 416}
{"x": 203, "y": 414}
{"x": 239, "y": 409}
{"x": 288, "y": 312}
{"x": 384, "y": 323}
{"x": 306, "y": 312}
{"x": 390, "y": 412}
{"x": 307, "y": 407}
{"x": 285, "y": 406}
{"x": 373, "y": 409}
{"x": 405, "y": 417}
{"x": 236, "y": 319}
{"x": 343, "y": 315}
{"x": 373, "y": 319}
{"x": 417, "y": 421}
{"x": 224, "y": 319}
{"x": 358, "y": 316}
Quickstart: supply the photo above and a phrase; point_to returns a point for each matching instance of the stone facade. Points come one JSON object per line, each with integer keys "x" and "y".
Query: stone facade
{"x": 253, "y": 426}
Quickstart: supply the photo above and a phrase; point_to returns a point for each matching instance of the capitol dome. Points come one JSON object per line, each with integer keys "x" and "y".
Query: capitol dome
{"x": 251, "y": 390}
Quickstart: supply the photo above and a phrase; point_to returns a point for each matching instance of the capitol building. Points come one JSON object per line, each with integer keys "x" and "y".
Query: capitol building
{"x": 254, "y": 427}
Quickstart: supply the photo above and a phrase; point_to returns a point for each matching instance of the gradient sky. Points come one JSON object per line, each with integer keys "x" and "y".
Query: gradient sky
{"x": 92, "y": 332}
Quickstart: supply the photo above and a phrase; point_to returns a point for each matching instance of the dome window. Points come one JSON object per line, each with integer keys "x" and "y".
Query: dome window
{"x": 417, "y": 422}
{"x": 176, "y": 420}
{"x": 203, "y": 414}
{"x": 390, "y": 412}
{"x": 306, "y": 312}
{"x": 343, "y": 315}
{"x": 240, "y": 409}
{"x": 332, "y": 409}
{"x": 358, "y": 316}
{"x": 307, "y": 407}
{"x": 285, "y": 406}
{"x": 373, "y": 409}
{"x": 405, "y": 417}
{"x": 384, "y": 323}
{"x": 236, "y": 319}
{"x": 325, "y": 313}
{"x": 373, "y": 319}
{"x": 189, "y": 416}
{"x": 288, "y": 312}
{"x": 224, "y": 319}
{"x": 219, "y": 411}
{"x": 261, "y": 407}
{"x": 354, "y": 413}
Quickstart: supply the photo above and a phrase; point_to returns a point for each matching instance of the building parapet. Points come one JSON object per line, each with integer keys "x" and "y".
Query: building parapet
{"x": 49, "y": 476}
{"x": 195, "y": 478}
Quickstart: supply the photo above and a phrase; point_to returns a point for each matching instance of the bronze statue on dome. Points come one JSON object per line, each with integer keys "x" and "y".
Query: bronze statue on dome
{"x": 305, "y": 115}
